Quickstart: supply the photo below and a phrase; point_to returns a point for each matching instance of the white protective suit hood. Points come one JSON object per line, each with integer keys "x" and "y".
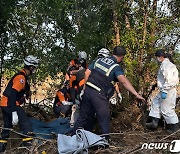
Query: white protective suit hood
{"x": 167, "y": 76}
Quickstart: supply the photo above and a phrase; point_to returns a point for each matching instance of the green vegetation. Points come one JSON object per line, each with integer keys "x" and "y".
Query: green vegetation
{"x": 55, "y": 31}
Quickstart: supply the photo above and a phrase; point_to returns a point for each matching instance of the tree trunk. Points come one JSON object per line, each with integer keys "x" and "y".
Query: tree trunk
{"x": 142, "y": 47}
{"x": 127, "y": 11}
{"x": 153, "y": 24}
{"x": 141, "y": 55}
{"x": 128, "y": 26}
{"x": 116, "y": 41}
{"x": 152, "y": 35}
{"x": 78, "y": 16}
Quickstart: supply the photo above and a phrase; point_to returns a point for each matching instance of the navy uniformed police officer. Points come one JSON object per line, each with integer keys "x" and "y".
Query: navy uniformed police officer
{"x": 99, "y": 89}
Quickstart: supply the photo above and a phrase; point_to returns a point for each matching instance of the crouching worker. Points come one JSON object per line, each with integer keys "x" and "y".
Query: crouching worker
{"x": 12, "y": 99}
{"x": 62, "y": 104}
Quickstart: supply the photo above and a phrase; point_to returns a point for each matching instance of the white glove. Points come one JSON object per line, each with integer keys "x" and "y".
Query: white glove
{"x": 15, "y": 119}
{"x": 120, "y": 97}
{"x": 81, "y": 94}
{"x": 72, "y": 121}
{"x": 74, "y": 115}
{"x": 67, "y": 103}
{"x": 74, "y": 107}
{"x": 113, "y": 100}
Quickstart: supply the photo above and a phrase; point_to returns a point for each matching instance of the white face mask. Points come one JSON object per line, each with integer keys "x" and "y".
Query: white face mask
{"x": 159, "y": 59}
{"x": 34, "y": 70}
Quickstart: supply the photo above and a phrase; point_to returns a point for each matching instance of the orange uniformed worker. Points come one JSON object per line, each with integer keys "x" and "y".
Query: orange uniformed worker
{"x": 71, "y": 78}
{"x": 76, "y": 79}
{"x": 79, "y": 82}
{"x": 13, "y": 97}
{"x": 62, "y": 103}
{"x": 72, "y": 66}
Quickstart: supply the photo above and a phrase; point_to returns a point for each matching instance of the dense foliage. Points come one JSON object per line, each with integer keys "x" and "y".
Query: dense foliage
{"x": 55, "y": 31}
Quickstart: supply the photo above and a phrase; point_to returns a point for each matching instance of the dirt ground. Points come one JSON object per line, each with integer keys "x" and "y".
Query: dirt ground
{"x": 127, "y": 137}
{"x": 128, "y": 134}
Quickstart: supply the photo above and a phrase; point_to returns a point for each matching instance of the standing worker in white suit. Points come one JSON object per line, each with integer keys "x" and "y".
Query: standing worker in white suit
{"x": 165, "y": 101}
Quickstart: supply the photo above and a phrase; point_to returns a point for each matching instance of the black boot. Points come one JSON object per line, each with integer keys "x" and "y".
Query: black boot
{"x": 3, "y": 144}
{"x": 154, "y": 124}
{"x": 172, "y": 128}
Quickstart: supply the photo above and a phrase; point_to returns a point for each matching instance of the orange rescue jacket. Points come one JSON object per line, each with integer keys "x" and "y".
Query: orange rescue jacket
{"x": 20, "y": 84}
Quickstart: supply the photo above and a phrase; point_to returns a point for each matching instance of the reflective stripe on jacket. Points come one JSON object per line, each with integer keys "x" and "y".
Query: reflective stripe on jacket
{"x": 99, "y": 78}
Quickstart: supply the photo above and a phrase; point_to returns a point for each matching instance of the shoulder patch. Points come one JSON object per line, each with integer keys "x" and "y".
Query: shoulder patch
{"x": 22, "y": 81}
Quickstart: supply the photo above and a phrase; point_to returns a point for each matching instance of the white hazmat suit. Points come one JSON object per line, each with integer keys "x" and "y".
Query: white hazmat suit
{"x": 167, "y": 81}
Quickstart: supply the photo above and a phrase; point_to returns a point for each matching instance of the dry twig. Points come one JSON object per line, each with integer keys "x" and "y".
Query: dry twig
{"x": 138, "y": 148}
{"x": 12, "y": 130}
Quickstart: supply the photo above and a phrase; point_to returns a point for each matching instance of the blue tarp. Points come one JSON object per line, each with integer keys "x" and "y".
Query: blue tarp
{"x": 57, "y": 126}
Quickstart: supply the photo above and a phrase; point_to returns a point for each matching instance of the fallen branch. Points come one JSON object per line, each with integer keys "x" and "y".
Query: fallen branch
{"x": 12, "y": 130}
{"x": 126, "y": 133}
{"x": 18, "y": 148}
{"x": 170, "y": 135}
{"x": 138, "y": 148}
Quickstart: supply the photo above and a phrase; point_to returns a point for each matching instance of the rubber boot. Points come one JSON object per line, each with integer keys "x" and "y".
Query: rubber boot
{"x": 3, "y": 144}
{"x": 172, "y": 128}
{"x": 154, "y": 124}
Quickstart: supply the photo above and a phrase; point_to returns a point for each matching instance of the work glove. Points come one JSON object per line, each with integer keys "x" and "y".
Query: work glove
{"x": 163, "y": 95}
{"x": 120, "y": 97}
{"x": 74, "y": 115}
{"x": 15, "y": 119}
{"x": 81, "y": 94}
{"x": 67, "y": 103}
{"x": 74, "y": 107}
{"x": 113, "y": 100}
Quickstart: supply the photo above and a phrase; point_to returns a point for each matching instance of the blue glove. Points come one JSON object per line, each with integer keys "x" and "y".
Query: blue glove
{"x": 163, "y": 95}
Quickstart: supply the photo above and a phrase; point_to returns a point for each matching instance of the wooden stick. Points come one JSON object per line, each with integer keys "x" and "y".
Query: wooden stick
{"x": 12, "y": 130}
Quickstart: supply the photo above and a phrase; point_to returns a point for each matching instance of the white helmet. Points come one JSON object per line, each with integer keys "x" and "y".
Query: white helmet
{"x": 31, "y": 61}
{"x": 103, "y": 52}
{"x": 82, "y": 55}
